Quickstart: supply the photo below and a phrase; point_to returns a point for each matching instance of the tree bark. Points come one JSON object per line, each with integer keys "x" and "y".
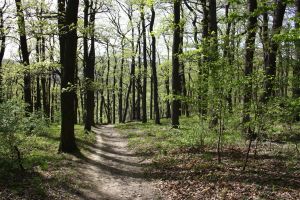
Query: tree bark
{"x": 202, "y": 62}
{"x": 38, "y": 104}
{"x": 121, "y": 84}
{"x": 296, "y": 71}
{"x": 25, "y": 56}
{"x": 144, "y": 91}
{"x": 167, "y": 83}
{"x": 89, "y": 70}
{"x": 107, "y": 86}
{"x": 45, "y": 89}
{"x": 2, "y": 51}
{"x": 139, "y": 79}
{"x": 176, "y": 65}
{"x": 67, "y": 139}
{"x": 271, "y": 62}
{"x": 114, "y": 89}
{"x": 249, "y": 56}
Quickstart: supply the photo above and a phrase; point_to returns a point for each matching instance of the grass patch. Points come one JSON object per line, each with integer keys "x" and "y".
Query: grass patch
{"x": 149, "y": 138}
{"x": 47, "y": 174}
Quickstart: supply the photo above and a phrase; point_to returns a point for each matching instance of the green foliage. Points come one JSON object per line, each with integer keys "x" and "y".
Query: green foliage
{"x": 39, "y": 157}
{"x": 150, "y": 138}
{"x": 35, "y": 124}
{"x": 16, "y": 129}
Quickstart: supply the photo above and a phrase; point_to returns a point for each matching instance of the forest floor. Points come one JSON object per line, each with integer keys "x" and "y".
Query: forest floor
{"x": 189, "y": 169}
{"x": 146, "y": 161}
{"x": 114, "y": 172}
{"x": 104, "y": 169}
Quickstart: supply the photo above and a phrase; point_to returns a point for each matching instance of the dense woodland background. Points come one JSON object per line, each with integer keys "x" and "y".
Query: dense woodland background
{"x": 229, "y": 69}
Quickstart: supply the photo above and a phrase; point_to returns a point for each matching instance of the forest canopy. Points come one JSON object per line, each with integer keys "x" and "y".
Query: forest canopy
{"x": 231, "y": 68}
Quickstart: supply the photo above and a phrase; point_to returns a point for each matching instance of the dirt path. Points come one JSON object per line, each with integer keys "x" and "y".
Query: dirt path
{"x": 113, "y": 171}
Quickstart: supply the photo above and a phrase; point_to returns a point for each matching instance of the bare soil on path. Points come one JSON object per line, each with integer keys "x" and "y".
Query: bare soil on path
{"x": 112, "y": 171}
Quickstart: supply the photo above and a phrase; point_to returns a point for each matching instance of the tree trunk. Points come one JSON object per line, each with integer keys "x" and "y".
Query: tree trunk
{"x": 107, "y": 86}
{"x": 114, "y": 89}
{"x": 87, "y": 122}
{"x": 167, "y": 83}
{"x": 133, "y": 107}
{"x": 139, "y": 81}
{"x": 90, "y": 71}
{"x": 45, "y": 89}
{"x": 151, "y": 97}
{"x": 67, "y": 139}
{"x": 227, "y": 52}
{"x": 272, "y": 53}
{"x": 2, "y": 51}
{"x": 154, "y": 70}
{"x": 296, "y": 71}
{"x": 144, "y": 91}
{"x": 296, "y": 66}
{"x": 202, "y": 64}
{"x": 25, "y": 56}
{"x": 38, "y": 104}
{"x": 176, "y": 65}
{"x": 121, "y": 85}
{"x": 248, "y": 70}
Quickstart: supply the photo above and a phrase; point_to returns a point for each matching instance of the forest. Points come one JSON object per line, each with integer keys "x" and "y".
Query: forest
{"x": 149, "y": 99}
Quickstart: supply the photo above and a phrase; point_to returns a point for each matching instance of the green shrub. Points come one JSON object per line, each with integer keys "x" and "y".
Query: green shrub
{"x": 16, "y": 128}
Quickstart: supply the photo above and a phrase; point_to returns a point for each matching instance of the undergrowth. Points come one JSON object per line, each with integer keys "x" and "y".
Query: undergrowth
{"x": 45, "y": 169}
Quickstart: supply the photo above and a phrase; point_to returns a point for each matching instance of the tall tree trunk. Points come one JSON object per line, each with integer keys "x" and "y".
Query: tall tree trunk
{"x": 249, "y": 55}
{"x": 271, "y": 62}
{"x": 45, "y": 89}
{"x": 25, "y": 56}
{"x": 107, "y": 86}
{"x": 154, "y": 70}
{"x": 121, "y": 84}
{"x": 167, "y": 83}
{"x": 127, "y": 101}
{"x": 265, "y": 37}
{"x": 67, "y": 139}
{"x": 176, "y": 65}
{"x": 184, "y": 106}
{"x": 87, "y": 122}
{"x": 139, "y": 79}
{"x": 89, "y": 70}
{"x": 114, "y": 88}
{"x": 296, "y": 67}
{"x": 213, "y": 54}
{"x": 53, "y": 77}
{"x": 296, "y": 71}
{"x": 38, "y": 104}
{"x": 227, "y": 52}
{"x": 202, "y": 63}
{"x": 133, "y": 78}
{"x": 151, "y": 97}
{"x": 144, "y": 91}
{"x": 2, "y": 51}
{"x": 53, "y": 96}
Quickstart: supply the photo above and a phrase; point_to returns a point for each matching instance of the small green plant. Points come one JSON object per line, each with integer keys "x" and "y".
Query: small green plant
{"x": 11, "y": 115}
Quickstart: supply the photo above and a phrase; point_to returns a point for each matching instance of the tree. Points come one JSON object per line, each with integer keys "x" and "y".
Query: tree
{"x": 2, "y": 49}
{"x": 153, "y": 65}
{"x": 296, "y": 71}
{"x": 25, "y": 56}
{"x": 248, "y": 70}
{"x": 176, "y": 89}
{"x": 249, "y": 55}
{"x": 270, "y": 68}
{"x": 89, "y": 64}
{"x": 144, "y": 90}
{"x": 67, "y": 137}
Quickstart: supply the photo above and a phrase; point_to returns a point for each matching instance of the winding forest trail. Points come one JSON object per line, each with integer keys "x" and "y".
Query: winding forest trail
{"x": 114, "y": 172}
